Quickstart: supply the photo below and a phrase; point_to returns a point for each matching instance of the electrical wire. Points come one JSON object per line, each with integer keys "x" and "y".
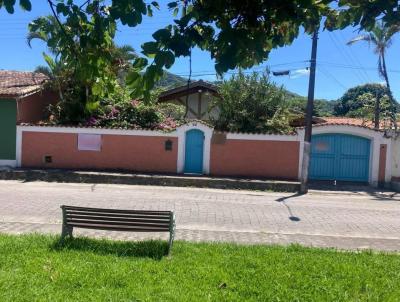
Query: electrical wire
{"x": 345, "y": 56}
{"x": 339, "y": 65}
{"x": 355, "y": 57}
{"x": 332, "y": 77}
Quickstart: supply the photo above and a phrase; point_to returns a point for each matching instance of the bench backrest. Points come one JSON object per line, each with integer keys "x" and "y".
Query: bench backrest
{"x": 118, "y": 220}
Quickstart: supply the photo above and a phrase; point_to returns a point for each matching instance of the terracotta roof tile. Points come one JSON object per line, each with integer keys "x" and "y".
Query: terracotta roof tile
{"x": 350, "y": 122}
{"x": 19, "y": 83}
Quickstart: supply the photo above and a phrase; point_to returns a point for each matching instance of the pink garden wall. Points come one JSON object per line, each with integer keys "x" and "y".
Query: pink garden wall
{"x": 256, "y": 158}
{"x": 125, "y": 152}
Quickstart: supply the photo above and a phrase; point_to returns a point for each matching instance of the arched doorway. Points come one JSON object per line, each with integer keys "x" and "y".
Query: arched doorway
{"x": 194, "y": 150}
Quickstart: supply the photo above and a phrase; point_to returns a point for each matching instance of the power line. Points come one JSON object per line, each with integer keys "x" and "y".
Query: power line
{"x": 256, "y": 70}
{"x": 331, "y": 76}
{"x": 351, "y": 52}
{"x": 339, "y": 65}
{"x": 345, "y": 55}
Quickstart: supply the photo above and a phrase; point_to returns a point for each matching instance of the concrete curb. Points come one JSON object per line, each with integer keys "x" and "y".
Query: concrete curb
{"x": 146, "y": 179}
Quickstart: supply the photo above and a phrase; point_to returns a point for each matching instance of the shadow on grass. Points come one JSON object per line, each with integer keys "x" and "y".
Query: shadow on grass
{"x": 154, "y": 249}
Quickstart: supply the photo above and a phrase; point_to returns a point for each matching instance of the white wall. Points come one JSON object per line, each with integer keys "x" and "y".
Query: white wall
{"x": 395, "y": 159}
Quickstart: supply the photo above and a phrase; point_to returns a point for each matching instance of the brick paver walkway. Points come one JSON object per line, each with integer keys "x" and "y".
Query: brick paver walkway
{"x": 343, "y": 220}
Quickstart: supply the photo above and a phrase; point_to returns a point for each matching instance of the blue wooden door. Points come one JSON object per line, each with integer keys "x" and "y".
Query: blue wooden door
{"x": 339, "y": 157}
{"x": 194, "y": 151}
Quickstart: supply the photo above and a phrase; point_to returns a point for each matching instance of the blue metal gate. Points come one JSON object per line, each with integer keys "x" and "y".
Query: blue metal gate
{"x": 194, "y": 151}
{"x": 339, "y": 157}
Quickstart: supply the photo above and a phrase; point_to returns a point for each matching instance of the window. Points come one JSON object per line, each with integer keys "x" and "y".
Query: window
{"x": 89, "y": 142}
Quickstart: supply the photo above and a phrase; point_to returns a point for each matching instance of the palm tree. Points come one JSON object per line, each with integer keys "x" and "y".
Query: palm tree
{"x": 123, "y": 57}
{"x": 54, "y": 28}
{"x": 381, "y": 37}
{"x": 125, "y": 52}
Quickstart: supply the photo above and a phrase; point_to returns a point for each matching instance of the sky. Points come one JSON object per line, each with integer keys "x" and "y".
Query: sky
{"x": 339, "y": 67}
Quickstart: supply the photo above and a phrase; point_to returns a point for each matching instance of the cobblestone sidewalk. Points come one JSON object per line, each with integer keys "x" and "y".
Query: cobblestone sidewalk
{"x": 341, "y": 220}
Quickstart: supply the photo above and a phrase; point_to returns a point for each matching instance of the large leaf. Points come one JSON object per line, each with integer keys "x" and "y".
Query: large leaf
{"x": 26, "y": 5}
{"x": 49, "y": 60}
{"x": 150, "y": 48}
{"x": 162, "y": 34}
{"x": 9, "y": 4}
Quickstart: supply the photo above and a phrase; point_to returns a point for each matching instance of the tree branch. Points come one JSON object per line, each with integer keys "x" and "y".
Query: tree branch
{"x": 51, "y": 4}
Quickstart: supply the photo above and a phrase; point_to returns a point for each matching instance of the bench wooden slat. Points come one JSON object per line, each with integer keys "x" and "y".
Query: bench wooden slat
{"x": 82, "y": 209}
{"x": 123, "y": 219}
{"x": 118, "y": 215}
{"x": 116, "y": 228}
{"x": 122, "y": 223}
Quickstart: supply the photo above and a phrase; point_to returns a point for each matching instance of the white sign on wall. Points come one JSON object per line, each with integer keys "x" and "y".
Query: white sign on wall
{"x": 89, "y": 142}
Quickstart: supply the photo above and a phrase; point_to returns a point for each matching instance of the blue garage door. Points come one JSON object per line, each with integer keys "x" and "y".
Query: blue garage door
{"x": 339, "y": 157}
{"x": 194, "y": 151}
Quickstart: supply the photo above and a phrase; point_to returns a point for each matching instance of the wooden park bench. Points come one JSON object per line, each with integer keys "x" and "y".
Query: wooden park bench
{"x": 117, "y": 220}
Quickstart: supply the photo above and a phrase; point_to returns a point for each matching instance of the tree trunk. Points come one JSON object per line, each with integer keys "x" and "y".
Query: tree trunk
{"x": 377, "y": 112}
{"x": 392, "y": 104}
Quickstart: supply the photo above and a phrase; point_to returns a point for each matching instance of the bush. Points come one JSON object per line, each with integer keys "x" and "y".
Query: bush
{"x": 118, "y": 112}
{"x": 251, "y": 103}
{"x": 134, "y": 115}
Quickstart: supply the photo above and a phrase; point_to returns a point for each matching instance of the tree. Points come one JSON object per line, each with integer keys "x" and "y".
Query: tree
{"x": 368, "y": 111}
{"x": 80, "y": 36}
{"x": 350, "y": 104}
{"x": 380, "y": 37}
{"x": 298, "y": 104}
{"x": 83, "y": 69}
{"x": 363, "y": 13}
{"x": 251, "y": 103}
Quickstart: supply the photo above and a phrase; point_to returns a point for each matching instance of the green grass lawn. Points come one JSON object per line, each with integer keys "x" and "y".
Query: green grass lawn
{"x": 38, "y": 268}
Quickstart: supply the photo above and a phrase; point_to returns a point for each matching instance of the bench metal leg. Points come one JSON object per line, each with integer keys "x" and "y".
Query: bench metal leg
{"x": 171, "y": 233}
{"x": 171, "y": 240}
{"x": 66, "y": 231}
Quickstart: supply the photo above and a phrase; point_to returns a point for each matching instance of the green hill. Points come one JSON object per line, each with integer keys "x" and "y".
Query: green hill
{"x": 170, "y": 80}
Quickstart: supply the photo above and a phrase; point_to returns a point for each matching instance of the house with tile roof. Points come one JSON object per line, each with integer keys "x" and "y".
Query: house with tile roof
{"x": 23, "y": 99}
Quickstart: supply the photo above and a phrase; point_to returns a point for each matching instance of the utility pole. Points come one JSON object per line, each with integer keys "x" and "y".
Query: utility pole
{"x": 309, "y": 114}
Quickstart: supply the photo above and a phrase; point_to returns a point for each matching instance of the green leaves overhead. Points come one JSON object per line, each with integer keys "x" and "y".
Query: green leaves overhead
{"x": 237, "y": 34}
{"x": 9, "y": 5}
{"x": 364, "y": 13}
{"x": 25, "y": 4}
{"x": 162, "y": 34}
{"x": 130, "y": 12}
{"x": 150, "y": 49}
